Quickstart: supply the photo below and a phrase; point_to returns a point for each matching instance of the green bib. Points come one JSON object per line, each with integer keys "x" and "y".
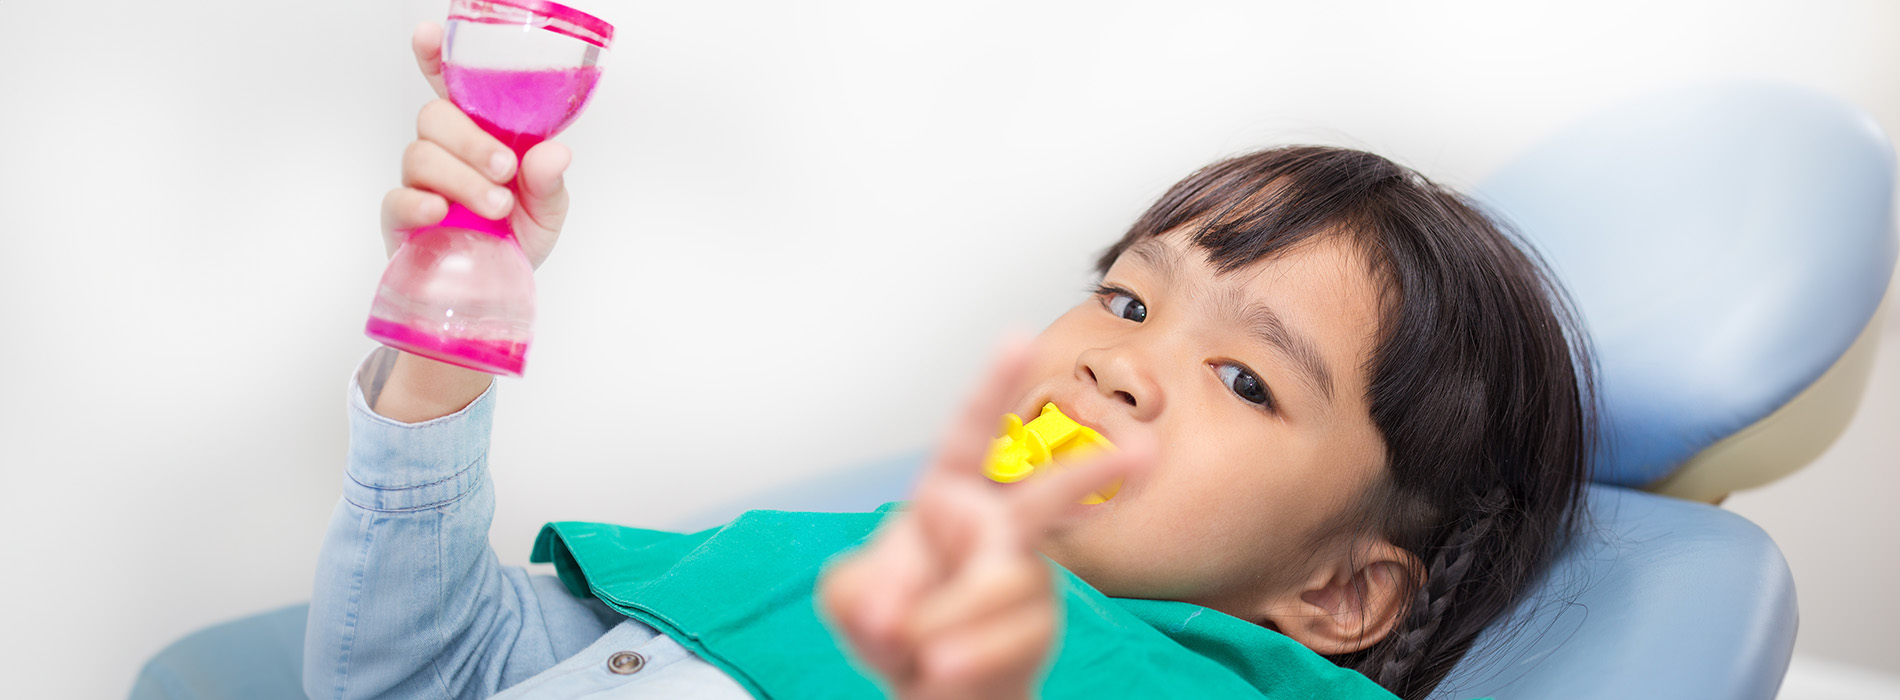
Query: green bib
{"x": 740, "y": 596}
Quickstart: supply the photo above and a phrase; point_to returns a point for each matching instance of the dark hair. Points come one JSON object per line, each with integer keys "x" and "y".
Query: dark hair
{"x": 1479, "y": 383}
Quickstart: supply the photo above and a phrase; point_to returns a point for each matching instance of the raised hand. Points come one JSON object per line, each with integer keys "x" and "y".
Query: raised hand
{"x": 453, "y": 159}
{"x": 950, "y": 599}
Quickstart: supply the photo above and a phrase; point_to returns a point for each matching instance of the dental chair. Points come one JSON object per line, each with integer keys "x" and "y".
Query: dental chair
{"x": 1728, "y": 248}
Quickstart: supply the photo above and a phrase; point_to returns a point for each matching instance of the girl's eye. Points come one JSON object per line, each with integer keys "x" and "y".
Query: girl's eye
{"x": 1125, "y": 305}
{"x": 1246, "y": 385}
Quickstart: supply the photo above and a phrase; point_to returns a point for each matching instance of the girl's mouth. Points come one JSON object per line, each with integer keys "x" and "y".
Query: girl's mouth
{"x": 1050, "y": 440}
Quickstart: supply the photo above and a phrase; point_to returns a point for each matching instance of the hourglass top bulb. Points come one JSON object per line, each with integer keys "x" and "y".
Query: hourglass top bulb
{"x": 522, "y": 87}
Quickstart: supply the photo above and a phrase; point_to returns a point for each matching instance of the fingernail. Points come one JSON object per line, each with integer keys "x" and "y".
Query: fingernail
{"x": 499, "y": 163}
{"x": 498, "y": 199}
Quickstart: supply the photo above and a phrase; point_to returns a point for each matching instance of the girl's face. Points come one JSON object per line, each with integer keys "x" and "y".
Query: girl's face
{"x": 1253, "y": 384}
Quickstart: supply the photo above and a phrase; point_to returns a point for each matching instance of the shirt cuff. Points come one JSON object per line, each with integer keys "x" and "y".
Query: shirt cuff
{"x": 396, "y": 466}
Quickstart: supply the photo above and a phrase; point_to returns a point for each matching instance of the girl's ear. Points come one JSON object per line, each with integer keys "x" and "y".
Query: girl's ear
{"x": 1350, "y": 603}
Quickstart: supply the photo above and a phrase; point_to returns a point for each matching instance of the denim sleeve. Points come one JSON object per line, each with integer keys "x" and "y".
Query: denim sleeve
{"x": 410, "y": 601}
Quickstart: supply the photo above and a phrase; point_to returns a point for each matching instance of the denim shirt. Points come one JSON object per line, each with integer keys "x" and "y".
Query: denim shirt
{"x": 410, "y": 601}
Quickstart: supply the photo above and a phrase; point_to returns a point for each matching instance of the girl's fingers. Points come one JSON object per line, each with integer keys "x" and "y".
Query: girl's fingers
{"x": 844, "y": 589}
{"x": 981, "y": 590}
{"x": 444, "y": 124}
{"x": 427, "y": 43}
{"x": 968, "y": 530}
{"x": 405, "y": 208}
{"x": 543, "y": 195}
{"x": 1035, "y": 503}
{"x": 872, "y": 593}
{"x": 961, "y": 455}
{"x": 996, "y": 657}
{"x": 427, "y": 166}
{"x": 904, "y": 569}
{"x": 543, "y": 189}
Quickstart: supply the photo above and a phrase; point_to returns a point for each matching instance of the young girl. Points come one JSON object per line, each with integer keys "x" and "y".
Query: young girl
{"x": 1350, "y": 431}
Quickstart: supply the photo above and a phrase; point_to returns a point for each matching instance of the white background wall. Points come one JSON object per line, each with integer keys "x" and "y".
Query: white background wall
{"x": 809, "y": 218}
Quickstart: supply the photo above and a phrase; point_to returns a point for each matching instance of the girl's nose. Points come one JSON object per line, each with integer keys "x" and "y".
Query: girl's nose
{"x": 1116, "y": 373}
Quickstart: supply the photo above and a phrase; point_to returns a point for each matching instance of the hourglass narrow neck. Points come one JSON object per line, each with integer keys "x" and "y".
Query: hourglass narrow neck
{"x": 460, "y": 217}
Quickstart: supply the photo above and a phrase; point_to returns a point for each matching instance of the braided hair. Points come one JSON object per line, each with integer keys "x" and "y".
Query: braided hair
{"x": 1479, "y": 381}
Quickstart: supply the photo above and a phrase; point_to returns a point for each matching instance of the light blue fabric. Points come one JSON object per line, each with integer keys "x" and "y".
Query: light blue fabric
{"x": 1724, "y": 243}
{"x": 410, "y": 602}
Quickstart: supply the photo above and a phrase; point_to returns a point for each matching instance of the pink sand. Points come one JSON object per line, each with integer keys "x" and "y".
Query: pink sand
{"x": 493, "y": 357}
{"x": 521, "y": 107}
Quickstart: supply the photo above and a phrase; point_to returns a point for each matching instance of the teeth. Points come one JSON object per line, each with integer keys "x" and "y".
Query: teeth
{"x": 1026, "y": 447}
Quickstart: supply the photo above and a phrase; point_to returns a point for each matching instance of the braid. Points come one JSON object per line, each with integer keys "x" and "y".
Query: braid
{"x": 1405, "y": 662}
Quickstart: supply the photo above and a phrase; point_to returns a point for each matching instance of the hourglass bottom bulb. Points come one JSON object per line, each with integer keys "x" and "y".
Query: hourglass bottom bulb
{"x": 491, "y": 356}
{"x": 458, "y": 295}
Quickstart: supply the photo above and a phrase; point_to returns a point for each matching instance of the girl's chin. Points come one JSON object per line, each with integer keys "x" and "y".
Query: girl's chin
{"x": 1073, "y": 529}
{"x": 1073, "y": 554}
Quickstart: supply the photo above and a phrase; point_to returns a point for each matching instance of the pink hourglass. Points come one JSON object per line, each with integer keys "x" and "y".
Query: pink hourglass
{"x": 462, "y": 291}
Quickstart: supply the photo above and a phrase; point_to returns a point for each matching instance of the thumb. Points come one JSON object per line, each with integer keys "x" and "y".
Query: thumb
{"x": 542, "y": 191}
{"x": 1039, "y": 501}
{"x": 427, "y": 43}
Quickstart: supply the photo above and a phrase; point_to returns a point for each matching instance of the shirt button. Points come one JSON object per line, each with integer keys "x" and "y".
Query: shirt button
{"x": 626, "y": 663}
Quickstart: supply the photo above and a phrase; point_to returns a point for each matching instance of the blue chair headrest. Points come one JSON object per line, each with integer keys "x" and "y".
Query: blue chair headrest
{"x": 1724, "y": 246}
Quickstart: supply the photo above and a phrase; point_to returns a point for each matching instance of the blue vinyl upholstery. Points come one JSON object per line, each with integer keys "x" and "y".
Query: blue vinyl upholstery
{"x": 258, "y": 657}
{"x": 1725, "y": 244}
{"x": 1657, "y": 597}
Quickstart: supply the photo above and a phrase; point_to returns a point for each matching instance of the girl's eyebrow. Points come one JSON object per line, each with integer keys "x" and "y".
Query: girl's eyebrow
{"x": 1165, "y": 261}
{"x": 1266, "y": 326}
{"x": 1261, "y": 321}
